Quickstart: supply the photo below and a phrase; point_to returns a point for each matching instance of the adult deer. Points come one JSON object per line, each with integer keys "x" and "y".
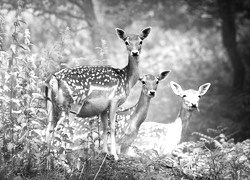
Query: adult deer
{"x": 137, "y": 114}
{"x": 165, "y": 137}
{"x": 87, "y": 91}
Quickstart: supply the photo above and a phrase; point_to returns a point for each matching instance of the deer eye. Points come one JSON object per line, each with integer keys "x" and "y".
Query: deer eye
{"x": 140, "y": 42}
{"x": 126, "y": 42}
{"x": 184, "y": 95}
{"x": 157, "y": 82}
{"x": 199, "y": 96}
{"x": 143, "y": 82}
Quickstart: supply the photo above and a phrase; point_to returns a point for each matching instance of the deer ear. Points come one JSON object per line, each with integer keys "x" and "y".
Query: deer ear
{"x": 145, "y": 32}
{"x": 176, "y": 88}
{"x": 203, "y": 88}
{"x": 163, "y": 75}
{"x": 121, "y": 33}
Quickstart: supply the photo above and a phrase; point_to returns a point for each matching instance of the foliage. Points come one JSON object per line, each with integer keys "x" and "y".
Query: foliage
{"x": 210, "y": 159}
{"x": 22, "y": 112}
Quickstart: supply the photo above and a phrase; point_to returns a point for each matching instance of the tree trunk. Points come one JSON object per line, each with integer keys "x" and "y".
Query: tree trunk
{"x": 225, "y": 8}
{"x": 89, "y": 15}
{"x": 91, "y": 19}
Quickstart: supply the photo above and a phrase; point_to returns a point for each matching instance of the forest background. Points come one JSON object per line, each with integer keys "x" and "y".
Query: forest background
{"x": 203, "y": 41}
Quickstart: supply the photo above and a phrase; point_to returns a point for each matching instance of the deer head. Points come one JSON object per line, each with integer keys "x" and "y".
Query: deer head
{"x": 133, "y": 42}
{"x": 150, "y": 83}
{"x": 190, "y": 97}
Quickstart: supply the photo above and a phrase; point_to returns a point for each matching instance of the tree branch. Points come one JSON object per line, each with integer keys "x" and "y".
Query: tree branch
{"x": 58, "y": 14}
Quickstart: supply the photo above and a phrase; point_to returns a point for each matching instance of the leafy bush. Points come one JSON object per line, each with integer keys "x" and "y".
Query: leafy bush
{"x": 23, "y": 116}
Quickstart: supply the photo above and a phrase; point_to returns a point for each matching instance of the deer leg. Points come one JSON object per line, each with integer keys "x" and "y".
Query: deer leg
{"x": 104, "y": 118}
{"x": 112, "y": 111}
{"x": 61, "y": 120}
{"x": 51, "y": 118}
{"x": 49, "y": 131}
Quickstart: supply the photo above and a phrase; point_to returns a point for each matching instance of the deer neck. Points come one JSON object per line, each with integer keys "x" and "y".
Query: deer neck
{"x": 141, "y": 110}
{"x": 185, "y": 116}
{"x": 132, "y": 70}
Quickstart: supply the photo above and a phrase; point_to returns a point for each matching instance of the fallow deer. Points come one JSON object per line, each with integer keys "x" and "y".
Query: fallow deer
{"x": 137, "y": 114}
{"x": 87, "y": 91}
{"x": 190, "y": 102}
{"x": 165, "y": 137}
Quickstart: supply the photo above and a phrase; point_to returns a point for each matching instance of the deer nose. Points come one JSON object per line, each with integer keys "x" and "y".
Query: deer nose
{"x": 193, "y": 105}
{"x": 135, "y": 53}
{"x": 152, "y": 92}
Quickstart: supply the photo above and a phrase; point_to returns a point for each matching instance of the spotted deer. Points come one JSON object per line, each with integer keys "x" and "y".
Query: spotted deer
{"x": 86, "y": 91}
{"x": 132, "y": 118}
{"x": 165, "y": 137}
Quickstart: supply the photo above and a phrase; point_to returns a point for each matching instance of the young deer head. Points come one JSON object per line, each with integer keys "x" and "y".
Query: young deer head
{"x": 86, "y": 91}
{"x": 150, "y": 83}
{"x": 190, "y": 102}
{"x": 190, "y": 98}
{"x": 128, "y": 128}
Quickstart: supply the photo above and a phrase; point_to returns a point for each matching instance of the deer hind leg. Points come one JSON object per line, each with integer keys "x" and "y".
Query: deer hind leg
{"x": 65, "y": 100}
{"x": 63, "y": 127}
{"x": 104, "y": 118}
{"x": 51, "y": 123}
{"x": 63, "y": 119}
{"x": 58, "y": 105}
{"x": 50, "y": 92}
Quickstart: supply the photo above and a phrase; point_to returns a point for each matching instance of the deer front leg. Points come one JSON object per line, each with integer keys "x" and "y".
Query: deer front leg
{"x": 104, "y": 118}
{"x": 112, "y": 112}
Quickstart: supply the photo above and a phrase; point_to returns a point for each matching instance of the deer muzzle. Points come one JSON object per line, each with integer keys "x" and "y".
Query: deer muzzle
{"x": 135, "y": 53}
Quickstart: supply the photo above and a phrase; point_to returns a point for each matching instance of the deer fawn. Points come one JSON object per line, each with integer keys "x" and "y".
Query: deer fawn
{"x": 190, "y": 102}
{"x": 138, "y": 113}
{"x": 86, "y": 91}
{"x": 165, "y": 137}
